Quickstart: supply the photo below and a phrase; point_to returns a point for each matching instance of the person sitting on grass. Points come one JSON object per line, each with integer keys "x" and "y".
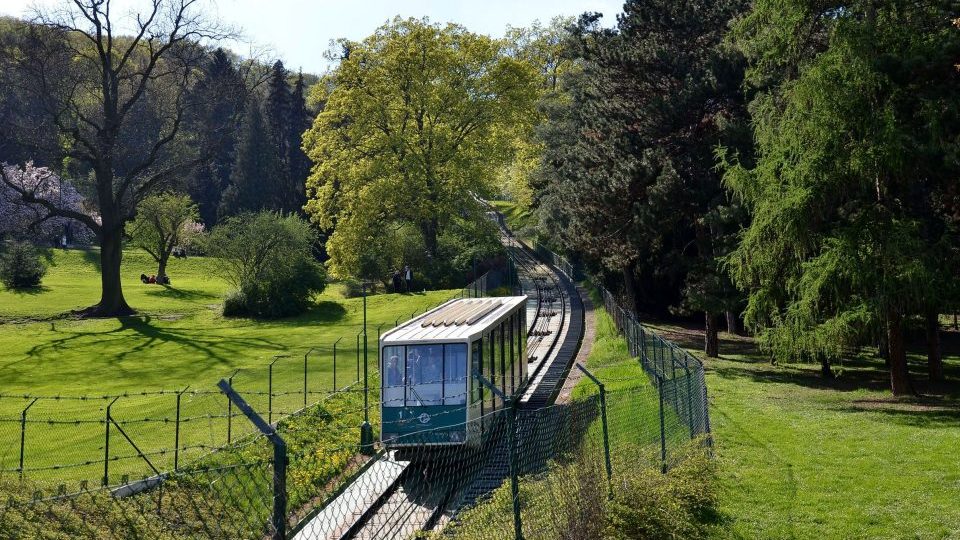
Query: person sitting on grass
{"x": 153, "y": 279}
{"x": 144, "y": 279}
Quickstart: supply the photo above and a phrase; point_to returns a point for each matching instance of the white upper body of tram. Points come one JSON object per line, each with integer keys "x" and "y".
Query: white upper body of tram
{"x": 430, "y": 391}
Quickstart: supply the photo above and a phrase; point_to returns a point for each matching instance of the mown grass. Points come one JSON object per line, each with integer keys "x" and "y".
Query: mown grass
{"x": 802, "y": 457}
{"x": 178, "y": 338}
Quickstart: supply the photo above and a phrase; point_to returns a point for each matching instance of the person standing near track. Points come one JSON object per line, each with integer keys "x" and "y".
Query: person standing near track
{"x": 408, "y": 277}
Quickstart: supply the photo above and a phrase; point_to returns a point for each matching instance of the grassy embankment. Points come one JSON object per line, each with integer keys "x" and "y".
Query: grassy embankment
{"x": 569, "y": 499}
{"x": 802, "y": 457}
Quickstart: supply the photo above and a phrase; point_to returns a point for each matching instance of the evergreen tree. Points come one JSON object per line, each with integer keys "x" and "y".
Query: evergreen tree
{"x": 630, "y": 171}
{"x": 297, "y": 161}
{"x": 255, "y": 167}
{"x": 220, "y": 98}
{"x": 277, "y": 107}
{"x": 853, "y": 193}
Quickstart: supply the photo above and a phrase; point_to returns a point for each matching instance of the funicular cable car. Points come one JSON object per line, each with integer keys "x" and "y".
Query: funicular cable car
{"x": 429, "y": 395}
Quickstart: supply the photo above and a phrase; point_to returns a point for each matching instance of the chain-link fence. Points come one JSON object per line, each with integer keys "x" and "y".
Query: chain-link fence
{"x": 105, "y": 440}
{"x": 274, "y": 468}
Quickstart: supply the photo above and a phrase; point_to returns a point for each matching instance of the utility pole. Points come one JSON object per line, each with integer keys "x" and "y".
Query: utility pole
{"x": 366, "y": 430}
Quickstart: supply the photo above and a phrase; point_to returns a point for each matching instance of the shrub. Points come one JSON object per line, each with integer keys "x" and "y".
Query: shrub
{"x": 21, "y": 267}
{"x": 679, "y": 504}
{"x": 268, "y": 260}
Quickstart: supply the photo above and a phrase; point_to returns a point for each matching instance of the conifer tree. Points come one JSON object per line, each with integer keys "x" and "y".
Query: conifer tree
{"x": 853, "y": 192}
{"x": 297, "y": 161}
{"x": 255, "y": 168}
{"x": 220, "y": 95}
{"x": 630, "y": 176}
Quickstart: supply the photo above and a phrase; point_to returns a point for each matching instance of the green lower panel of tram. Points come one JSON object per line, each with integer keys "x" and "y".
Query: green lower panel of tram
{"x": 433, "y": 424}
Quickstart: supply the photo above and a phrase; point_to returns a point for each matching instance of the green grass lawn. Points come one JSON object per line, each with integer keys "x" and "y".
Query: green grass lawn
{"x": 518, "y": 219}
{"x": 801, "y": 457}
{"x": 178, "y": 338}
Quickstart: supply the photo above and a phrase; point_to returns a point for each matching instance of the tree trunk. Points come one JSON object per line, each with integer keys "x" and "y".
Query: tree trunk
{"x": 825, "y": 370}
{"x": 733, "y": 323}
{"x": 934, "y": 358}
{"x": 711, "y": 343}
{"x": 883, "y": 346}
{"x": 899, "y": 374}
{"x": 430, "y": 230}
{"x": 630, "y": 288}
{"x": 112, "y": 303}
{"x": 162, "y": 266}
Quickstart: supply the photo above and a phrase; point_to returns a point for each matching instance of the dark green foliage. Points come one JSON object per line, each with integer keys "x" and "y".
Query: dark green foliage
{"x": 268, "y": 259}
{"x": 220, "y": 98}
{"x": 298, "y": 164}
{"x": 256, "y": 169}
{"x": 854, "y": 190}
{"x": 270, "y": 168}
{"x": 629, "y": 179}
{"x": 20, "y": 266}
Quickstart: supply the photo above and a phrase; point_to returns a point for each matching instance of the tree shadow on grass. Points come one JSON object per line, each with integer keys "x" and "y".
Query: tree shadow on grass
{"x": 922, "y": 412}
{"x": 166, "y": 291}
{"x": 29, "y": 291}
{"x": 222, "y": 349}
{"x": 92, "y": 257}
{"x": 860, "y": 370}
{"x": 322, "y": 312}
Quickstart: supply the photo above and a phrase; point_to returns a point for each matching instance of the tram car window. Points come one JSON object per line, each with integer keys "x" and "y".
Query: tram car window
{"x": 431, "y": 368}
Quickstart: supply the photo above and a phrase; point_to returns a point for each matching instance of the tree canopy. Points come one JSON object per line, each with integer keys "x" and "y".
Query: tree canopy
{"x": 628, "y": 177}
{"x": 854, "y": 191}
{"x": 114, "y": 106}
{"x": 409, "y": 134}
{"x": 164, "y": 222}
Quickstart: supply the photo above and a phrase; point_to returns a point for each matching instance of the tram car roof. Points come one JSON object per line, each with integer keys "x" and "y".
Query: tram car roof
{"x": 460, "y": 319}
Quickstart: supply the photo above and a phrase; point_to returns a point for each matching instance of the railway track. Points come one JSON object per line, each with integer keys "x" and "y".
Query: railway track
{"x": 407, "y": 497}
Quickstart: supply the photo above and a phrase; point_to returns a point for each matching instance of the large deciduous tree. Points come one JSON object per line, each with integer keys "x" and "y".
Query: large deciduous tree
{"x": 407, "y": 133}
{"x": 117, "y": 104}
{"x": 854, "y": 191}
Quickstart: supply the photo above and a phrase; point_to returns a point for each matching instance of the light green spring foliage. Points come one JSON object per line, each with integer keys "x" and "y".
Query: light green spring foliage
{"x": 410, "y": 132}
{"x": 851, "y": 155}
{"x": 268, "y": 258}
{"x": 163, "y": 223}
{"x": 540, "y": 47}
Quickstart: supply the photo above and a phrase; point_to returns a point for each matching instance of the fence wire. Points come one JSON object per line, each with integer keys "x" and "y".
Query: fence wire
{"x": 530, "y": 472}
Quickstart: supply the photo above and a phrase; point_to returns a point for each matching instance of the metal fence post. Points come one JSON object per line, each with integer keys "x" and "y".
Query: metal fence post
{"x": 270, "y": 386}
{"x": 23, "y": 433}
{"x": 279, "y": 517}
{"x": 230, "y": 407}
{"x": 106, "y": 444}
{"x": 663, "y": 431}
{"x": 335, "y": 363}
{"x": 305, "y": 376}
{"x": 176, "y": 432}
{"x": 514, "y": 480}
{"x": 603, "y": 421}
{"x": 358, "y": 353}
{"x": 511, "y": 406}
{"x": 686, "y": 367}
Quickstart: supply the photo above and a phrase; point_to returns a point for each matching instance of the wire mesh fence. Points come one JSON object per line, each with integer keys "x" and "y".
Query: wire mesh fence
{"x": 102, "y": 440}
{"x": 250, "y": 460}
